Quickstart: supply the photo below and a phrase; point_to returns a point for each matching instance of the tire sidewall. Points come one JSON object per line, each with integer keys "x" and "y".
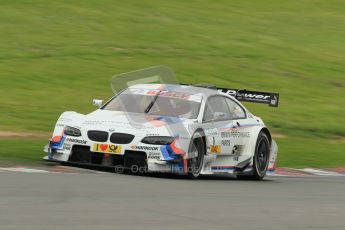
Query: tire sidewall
{"x": 197, "y": 137}
{"x": 257, "y": 172}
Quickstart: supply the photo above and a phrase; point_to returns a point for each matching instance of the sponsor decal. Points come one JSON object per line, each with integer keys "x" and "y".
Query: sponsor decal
{"x": 237, "y": 134}
{"x": 222, "y": 168}
{"x": 225, "y": 134}
{"x": 67, "y": 147}
{"x": 146, "y": 148}
{"x": 226, "y": 142}
{"x": 163, "y": 93}
{"x": 75, "y": 140}
{"x": 170, "y": 94}
{"x": 252, "y": 96}
{"x": 106, "y": 148}
{"x": 230, "y": 128}
{"x": 117, "y": 123}
{"x": 182, "y": 137}
{"x": 64, "y": 120}
{"x": 155, "y": 156}
{"x": 215, "y": 148}
{"x": 211, "y": 131}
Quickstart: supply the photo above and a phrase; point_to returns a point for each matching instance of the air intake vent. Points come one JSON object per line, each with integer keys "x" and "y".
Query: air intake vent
{"x": 121, "y": 138}
{"x": 99, "y": 136}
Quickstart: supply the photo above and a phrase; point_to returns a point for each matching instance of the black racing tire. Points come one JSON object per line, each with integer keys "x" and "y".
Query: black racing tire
{"x": 195, "y": 164}
{"x": 260, "y": 159}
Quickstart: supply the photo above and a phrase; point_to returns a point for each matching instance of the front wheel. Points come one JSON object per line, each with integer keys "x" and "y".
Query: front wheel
{"x": 196, "y": 161}
{"x": 261, "y": 158}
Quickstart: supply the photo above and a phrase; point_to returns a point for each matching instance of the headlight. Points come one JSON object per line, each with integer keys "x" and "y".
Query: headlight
{"x": 158, "y": 140}
{"x": 70, "y": 131}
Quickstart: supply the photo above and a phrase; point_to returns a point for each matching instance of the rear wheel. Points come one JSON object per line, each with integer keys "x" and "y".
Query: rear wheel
{"x": 196, "y": 161}
{"x": 261, "y": 158}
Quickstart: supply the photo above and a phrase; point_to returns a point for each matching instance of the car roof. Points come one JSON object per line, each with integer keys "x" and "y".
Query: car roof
{"x": 190, "y": 89}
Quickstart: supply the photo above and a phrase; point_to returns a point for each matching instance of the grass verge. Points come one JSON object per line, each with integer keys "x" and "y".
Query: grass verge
{"x": 26, "y": 151}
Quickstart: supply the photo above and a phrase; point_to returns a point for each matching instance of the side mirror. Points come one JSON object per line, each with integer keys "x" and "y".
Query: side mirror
{"x": 97, "y": 102}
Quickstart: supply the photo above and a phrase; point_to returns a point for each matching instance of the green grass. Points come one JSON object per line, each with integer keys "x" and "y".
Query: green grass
{"x": 58, "y": 55}
{"x": 310, "y": 152}
{"x": 22, "y": 150}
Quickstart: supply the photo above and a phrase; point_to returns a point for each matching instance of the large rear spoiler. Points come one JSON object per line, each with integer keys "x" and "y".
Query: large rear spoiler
{"x": 272, "y": 99}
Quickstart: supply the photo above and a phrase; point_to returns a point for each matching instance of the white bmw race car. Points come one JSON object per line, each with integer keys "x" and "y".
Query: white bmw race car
{"x": 172, "y": 128}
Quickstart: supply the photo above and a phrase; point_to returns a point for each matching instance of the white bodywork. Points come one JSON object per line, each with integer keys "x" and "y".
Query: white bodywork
{"x": 230, "y": 144}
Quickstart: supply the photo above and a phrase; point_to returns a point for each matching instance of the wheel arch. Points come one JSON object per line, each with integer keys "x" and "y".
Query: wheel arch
{"x": 268, "y": 133}
{"x": 254, "y": 134}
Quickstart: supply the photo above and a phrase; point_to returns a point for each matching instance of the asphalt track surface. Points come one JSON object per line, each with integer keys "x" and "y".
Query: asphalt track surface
{"x": 115, "y": 201}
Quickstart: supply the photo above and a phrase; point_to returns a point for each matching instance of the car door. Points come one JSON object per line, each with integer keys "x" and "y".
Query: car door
{"x": 241, "y": 124}
{"x": 216, "y": 123}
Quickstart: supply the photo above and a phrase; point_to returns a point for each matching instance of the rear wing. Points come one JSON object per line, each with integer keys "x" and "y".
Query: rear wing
{"x": 272, "y": 99}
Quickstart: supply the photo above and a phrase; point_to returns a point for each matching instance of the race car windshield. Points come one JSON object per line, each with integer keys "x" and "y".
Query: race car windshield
{"x": 160, "y": 103}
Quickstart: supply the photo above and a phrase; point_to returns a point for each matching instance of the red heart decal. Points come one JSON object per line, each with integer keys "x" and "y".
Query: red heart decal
{"x": 103, "y": 147}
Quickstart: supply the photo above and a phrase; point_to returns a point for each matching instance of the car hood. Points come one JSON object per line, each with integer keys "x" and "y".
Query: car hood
{"x": 138, "y": 124}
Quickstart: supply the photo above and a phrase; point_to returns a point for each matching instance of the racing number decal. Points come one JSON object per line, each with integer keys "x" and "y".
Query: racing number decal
{"x": 106, "y": 148}
{"x": 215, "y": 148}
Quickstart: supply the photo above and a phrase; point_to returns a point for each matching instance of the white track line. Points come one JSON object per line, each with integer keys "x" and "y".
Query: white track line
{"x": 52, "y": 171}
{"x": 276, "y": 174}
{"x": 320, "y": 172}
{"x": 27, "y": 170}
